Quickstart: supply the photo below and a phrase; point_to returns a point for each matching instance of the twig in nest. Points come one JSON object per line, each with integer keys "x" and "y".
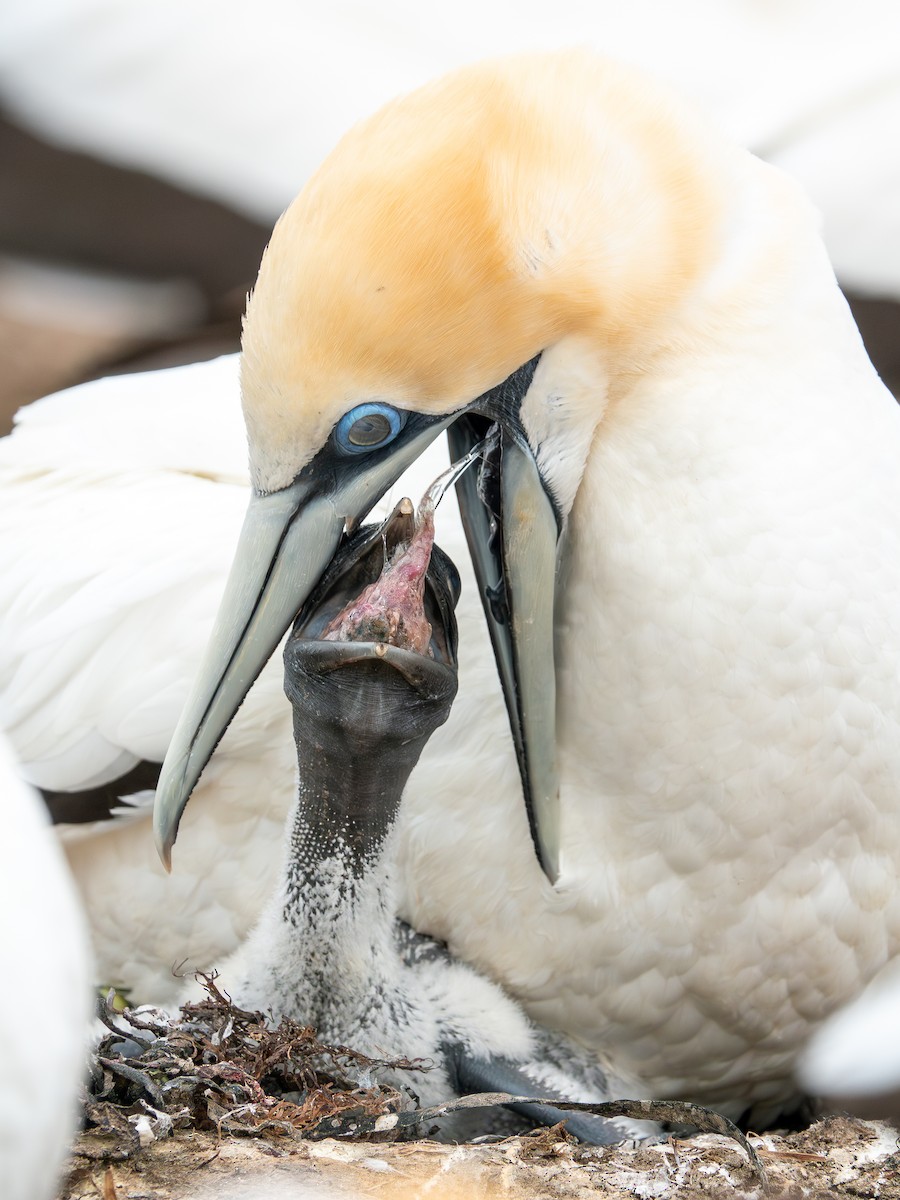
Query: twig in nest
{"x": 134, "y": 1075}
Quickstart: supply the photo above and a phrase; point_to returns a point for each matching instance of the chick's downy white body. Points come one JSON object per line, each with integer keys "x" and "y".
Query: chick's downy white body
{"x": 724, "y": 459}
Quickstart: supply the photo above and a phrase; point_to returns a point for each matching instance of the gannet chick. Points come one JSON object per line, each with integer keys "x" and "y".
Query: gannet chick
{"x": 371, "y": 675}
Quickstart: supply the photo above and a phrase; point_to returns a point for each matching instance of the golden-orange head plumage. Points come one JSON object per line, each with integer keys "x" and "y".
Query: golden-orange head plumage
{"x": 464, "y": 228}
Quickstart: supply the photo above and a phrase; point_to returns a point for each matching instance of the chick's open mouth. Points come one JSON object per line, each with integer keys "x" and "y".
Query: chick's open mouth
{"x": 388, "y": 584}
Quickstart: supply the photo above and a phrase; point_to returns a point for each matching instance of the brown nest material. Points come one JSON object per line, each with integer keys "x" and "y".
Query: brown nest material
{"x": 217, "y": 1066}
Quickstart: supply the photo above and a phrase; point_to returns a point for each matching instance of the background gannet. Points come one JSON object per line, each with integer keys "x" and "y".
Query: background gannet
{"x": 211, "y": 99}
{"x": 110, "y": 526}
{"x": 44, "y": 997}
{"x": 855, "y": 1056}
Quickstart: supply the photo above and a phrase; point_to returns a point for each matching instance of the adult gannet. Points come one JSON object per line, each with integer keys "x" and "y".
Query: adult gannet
{"x": 688, "y": 545}
{"x": 45, "y": 997}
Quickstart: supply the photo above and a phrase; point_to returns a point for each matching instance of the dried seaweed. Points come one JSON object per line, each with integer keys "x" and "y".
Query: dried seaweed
{"x": 219, "y": 1066}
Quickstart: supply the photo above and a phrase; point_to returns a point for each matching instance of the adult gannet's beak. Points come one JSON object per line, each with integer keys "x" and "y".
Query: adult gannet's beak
{"x": 287, "y": 542}
{"x": 512, "y": 530}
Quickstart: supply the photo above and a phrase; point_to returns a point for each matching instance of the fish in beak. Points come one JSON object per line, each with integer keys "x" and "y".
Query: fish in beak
{"x": 291, "y": 535}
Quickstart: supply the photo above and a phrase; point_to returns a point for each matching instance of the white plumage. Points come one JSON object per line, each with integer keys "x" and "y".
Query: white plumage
{"x": 44, "y": 998}
{"x": 727, "y": 636}
{"x": 117, "y": 534}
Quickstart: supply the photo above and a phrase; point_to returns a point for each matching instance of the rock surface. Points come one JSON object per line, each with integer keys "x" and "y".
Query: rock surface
{"x": 837, "y": 1156}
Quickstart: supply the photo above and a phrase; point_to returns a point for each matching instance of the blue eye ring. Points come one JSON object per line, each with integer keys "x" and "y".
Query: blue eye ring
{"x": 368, "y": 427}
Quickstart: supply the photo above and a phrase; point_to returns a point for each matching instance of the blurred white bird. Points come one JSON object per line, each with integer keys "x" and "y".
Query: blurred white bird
{"x": 855, "y": 1056}
{"x": 44, "y": 997}
{"x": 242, "y": 103}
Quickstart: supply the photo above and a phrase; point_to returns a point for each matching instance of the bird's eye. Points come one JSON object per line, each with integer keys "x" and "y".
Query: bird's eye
{"x": 368, "y": 427}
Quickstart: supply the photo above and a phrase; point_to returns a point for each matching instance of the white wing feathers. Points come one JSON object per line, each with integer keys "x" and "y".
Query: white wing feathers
{"x": 115, "y": 546}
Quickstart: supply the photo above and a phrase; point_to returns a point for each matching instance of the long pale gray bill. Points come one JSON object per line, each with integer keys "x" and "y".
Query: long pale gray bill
{"x": 516, "y": 574}
{"x": 287, "y": 540}
{"x": 529, "y": 553}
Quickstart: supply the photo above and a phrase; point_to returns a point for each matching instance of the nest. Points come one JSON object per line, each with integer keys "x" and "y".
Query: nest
{"x": 222, "y": 1068}
{"x": 217, "y": 1066}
